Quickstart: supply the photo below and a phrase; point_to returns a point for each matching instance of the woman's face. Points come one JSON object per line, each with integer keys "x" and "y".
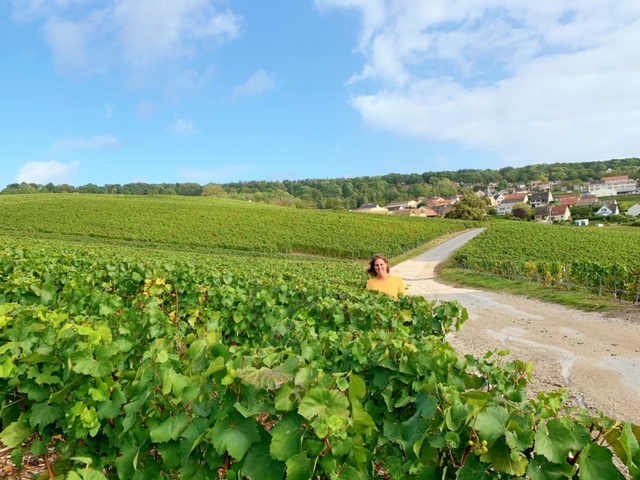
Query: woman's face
{"x": 380, "y": 267}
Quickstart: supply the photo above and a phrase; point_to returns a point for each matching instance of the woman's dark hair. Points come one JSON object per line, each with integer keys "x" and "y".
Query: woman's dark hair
{"x": 371, "y": 270}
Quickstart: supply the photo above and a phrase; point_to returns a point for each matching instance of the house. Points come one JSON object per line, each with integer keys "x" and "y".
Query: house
{"x": 542, "y": 214}
{"x": 401, "y": 205}
{"x": 442, "y": 210}
{"x": 426, "y": 212}
{"x": 609, "y": 207}
{"x": 617, "y": 185}
{"x": 491, "y": 201}
{"x": 569, "y": 201}
{"x": 539, "y": 199}
{"x": 587, "y": 201}
{"x": 540, "y": 185}
{"x": 505, "y": 208}
{"x": 371, "y": 208}
{"x": 583, "y": 222}
{"x": 416, "y": 212}
{"x": 634, "y": 211}
{"x": 561, "y": 213}
{"x": 520, "y": 197}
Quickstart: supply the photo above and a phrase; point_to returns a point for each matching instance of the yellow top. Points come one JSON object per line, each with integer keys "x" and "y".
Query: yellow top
{"x": 391, "y": 286}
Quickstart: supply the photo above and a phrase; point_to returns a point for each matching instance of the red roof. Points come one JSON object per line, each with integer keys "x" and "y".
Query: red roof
{"x": 559, "y": 211}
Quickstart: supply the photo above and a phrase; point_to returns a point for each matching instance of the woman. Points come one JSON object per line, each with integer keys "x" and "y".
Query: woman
{"x": 381, "y": 279}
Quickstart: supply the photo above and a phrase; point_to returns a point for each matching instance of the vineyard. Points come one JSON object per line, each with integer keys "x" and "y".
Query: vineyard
{"x": 150, "y": 363}
{"x": 602, "y": 260}
{"x": 212, "y": 224}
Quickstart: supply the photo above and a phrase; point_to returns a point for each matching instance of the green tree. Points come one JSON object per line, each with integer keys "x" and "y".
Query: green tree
{"x": 470, "y": 207}
{"x": 213, "y": 190}
{"x": 522, "y": 210}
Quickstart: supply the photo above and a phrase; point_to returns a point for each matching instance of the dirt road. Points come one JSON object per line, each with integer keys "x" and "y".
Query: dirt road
{"x": 595, "y": 356}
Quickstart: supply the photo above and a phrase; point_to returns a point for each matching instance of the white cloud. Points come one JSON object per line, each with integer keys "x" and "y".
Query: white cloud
{"x": 94, "y": 37}
{"x": 227, "y": 173}
{"x": 531, "y": 81}
{"x": 260, "y": 82}
{"x": 97, "y": 142}
{"x": 45, "y": 172}
{"x": 182, "y": 127}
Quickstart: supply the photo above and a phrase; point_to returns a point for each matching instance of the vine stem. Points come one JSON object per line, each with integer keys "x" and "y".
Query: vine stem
{"x": 464, "y": 455}
{"x": 49, "y": 469}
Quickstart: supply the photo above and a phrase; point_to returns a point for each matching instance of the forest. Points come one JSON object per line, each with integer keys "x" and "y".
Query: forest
{"x": 350, "y": 193}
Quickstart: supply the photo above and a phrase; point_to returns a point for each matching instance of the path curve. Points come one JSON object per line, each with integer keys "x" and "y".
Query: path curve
{"x": 595, "y": 356}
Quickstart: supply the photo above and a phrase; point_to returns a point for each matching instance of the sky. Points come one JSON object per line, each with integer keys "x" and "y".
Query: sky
{"x": 172, "y": 91}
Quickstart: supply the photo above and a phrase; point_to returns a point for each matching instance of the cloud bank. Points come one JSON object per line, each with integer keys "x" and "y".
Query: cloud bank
{"x": 96, "y": 37}
{"x": 531, "y": 82}
{"x": 46, "y": 172}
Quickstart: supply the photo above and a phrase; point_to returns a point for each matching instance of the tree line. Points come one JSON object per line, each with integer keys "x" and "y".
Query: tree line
{"x": 350, "y": 193}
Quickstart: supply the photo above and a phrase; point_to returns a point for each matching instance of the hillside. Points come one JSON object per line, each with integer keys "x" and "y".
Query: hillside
{"x": 213, "y": 224}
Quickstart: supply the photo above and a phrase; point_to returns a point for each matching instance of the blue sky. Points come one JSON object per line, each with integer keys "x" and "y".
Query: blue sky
{"x": 120, "y": 91}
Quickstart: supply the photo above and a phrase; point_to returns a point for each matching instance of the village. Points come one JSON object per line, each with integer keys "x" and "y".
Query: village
{"x": 537, "y": 198}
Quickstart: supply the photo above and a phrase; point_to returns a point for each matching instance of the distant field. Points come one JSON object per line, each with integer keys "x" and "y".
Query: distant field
{"x": 520, "y": 241}
{"x": 213, "y": 224}
{"x": 599, "y": 259}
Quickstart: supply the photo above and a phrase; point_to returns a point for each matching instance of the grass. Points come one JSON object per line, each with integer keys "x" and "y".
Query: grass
{"x": 577, "y": 299}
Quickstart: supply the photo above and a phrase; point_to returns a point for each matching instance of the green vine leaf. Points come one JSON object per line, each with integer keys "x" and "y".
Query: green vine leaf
{"x": 473, "y": 469}
{"x": 286, "y": 439}
{"x": 259, "y": 464}
{"x": 234, "y": 434}
{"x": 323, "y": 403}
{"x": 542, "y": 469}
{"x": 491, "y": 423}
{"x": 596, "y": 464}
{"x": 170, "y": 429}
{"x": 554, "y": 441}
{"x": 299, "y": 467}
{"x": 503, "y": 459}
{"x": 15, "y": 434}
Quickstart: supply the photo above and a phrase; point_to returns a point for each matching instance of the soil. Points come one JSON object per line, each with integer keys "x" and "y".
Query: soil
{"x": 595, "y": 356}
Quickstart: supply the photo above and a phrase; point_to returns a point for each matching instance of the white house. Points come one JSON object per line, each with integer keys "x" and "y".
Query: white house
{"x": 634, "y": 211}
{"x": 620, "y": 184}
{"x": 505, "y": 208}
{"x": 583, "y": 222}
{"x": 539, "y": 199}
{"x": 560, "y": 213}
{"x": 608, "y": 208}
{"x": 371, "y": 208}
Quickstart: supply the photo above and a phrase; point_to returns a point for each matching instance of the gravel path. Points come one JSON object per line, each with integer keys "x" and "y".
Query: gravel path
{"x": 595, "y": 356}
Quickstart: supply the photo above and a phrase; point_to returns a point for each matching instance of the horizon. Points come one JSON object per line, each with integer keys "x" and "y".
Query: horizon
{"x": 342, "y": 178}
{"x": 205, "y": 91}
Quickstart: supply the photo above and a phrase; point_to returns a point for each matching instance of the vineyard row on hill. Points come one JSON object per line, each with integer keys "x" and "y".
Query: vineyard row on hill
{"x": 149, "y": 368}
{"x": 600, "y": 260}
{"x": 217, "y": 224}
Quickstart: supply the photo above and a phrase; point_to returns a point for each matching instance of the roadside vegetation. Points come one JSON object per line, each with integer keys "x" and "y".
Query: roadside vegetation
{"x": 586, "y": 268}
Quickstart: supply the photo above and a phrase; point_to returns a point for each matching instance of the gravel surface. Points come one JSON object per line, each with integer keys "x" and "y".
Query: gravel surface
{"x": 595, "y": 356}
